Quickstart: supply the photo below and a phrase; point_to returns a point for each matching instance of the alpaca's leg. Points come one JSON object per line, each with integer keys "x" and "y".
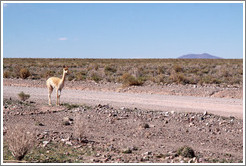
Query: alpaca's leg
{"x": 49, "y": 94}
{"x": 57, "y": 97}
{"x": 58, "y": 94}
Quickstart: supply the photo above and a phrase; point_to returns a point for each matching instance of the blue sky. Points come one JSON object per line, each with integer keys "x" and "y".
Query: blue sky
{"x": 124, "y": 30}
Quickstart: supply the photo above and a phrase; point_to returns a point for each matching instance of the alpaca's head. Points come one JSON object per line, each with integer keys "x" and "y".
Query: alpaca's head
{"x": 65, "y": 70}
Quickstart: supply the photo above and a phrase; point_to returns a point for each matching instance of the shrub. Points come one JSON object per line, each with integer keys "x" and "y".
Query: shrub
{"x": 24, "y": 73}
{"x": 160, "y": 70}
{"x": 79, "y": 128}
{"x": 48, "y": 74}
{"x": 23, "y": 96}
{"x": 186, "y": 151}
{"x": 70, "y": 106}
{"x": 93, "y": 66}
{"x": 109, "y": 70}
{"x": 70, "y": 77}
{"x": 16, "y": 70}
{"x": 19, "y": 141}
{"x": 6, "y": 74}
{"x": 178, "y": 78}
{"x": 177, "y": 68}
{"x": 129, "y": 80}
{"x": 96, "y": 77}
{"x": 81, "y": 75}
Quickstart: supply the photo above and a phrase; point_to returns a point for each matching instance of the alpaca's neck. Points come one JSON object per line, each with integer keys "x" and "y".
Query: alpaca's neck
{"x": 63, "y": 78}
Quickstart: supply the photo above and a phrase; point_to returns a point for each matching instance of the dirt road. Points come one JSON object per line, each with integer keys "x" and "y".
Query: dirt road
{"x": 220, "y": 106}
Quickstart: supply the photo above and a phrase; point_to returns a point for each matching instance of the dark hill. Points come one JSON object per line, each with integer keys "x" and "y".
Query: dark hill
{"x": 199, "y": 56}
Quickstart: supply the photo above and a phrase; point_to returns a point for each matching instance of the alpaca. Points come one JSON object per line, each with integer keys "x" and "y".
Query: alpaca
{"x": 55, "y": 82}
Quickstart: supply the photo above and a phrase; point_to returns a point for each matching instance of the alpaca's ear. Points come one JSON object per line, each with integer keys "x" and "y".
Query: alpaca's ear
{"x": 64, "y": 66}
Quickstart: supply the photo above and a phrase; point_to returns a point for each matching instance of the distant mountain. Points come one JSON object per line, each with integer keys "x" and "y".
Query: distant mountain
{"x": 199, "y": 56}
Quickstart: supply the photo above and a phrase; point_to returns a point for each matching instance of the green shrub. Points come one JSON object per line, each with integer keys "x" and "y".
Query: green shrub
{"x": 70, "y": 77}
{"x": 23, "y": 96}
{"x": 96, "y": 77}
{"x": 24, "y": 73}
{"x": 48, "y": 74}
{"x": 186, "y": 151}
{"x": 109, "y": 70}
{"x": 70, "y": 106}
{"x": 81, "y": 75}
{"x": 179, "y": 78}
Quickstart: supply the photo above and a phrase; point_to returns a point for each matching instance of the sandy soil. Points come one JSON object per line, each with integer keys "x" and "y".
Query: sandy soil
{"x": 220, "y": 106}
{"x": 133, "y": 97}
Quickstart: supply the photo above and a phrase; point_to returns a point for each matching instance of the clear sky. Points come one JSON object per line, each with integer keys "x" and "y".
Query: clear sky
{"x": 122, "y": 30}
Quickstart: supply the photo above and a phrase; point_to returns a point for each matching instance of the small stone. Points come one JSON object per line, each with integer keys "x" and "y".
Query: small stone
{"x": 40, "y": 124}
{"x": 127, "y": 151}
{"x": 192, "y": 119}
{"x": 191, "y": 124}
{"x": 134, "y": 148}
{"x": 45, "y": 143}
{"x": 145, "y": 158}
{"x": 166, "y": 114}
{"x": 67, "y": 121}
{"x": 66, "y": 139}
{"x": 147, "y": 153}
{"x": 69, "y": 143}
{"x": 95, "y": 160}
{"x": 151, "y": 125}
{"x": 205, "y": 113}
{"x": 144, "y": 126}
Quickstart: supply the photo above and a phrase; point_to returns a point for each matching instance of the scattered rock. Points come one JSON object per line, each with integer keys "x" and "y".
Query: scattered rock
{"x": 69, "y": 143}
{"x": 127, "y": 150}
{"x": 67, "y": 121}
{"x": 144, "y": 126}
{"x": 66, "y": 139}
{"x": 186, "y": 151}
{"x": 147, "y": 153}
{"x": 45, "y": 143}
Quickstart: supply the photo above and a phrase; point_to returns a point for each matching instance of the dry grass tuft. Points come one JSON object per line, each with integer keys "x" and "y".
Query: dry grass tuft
{"x": 24, "y": 73}
{"x": 20, "y": 141}
{"x": 130, "y": 80}
{"x": 186, "y": 151}
{"x": 79, "y": 128}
